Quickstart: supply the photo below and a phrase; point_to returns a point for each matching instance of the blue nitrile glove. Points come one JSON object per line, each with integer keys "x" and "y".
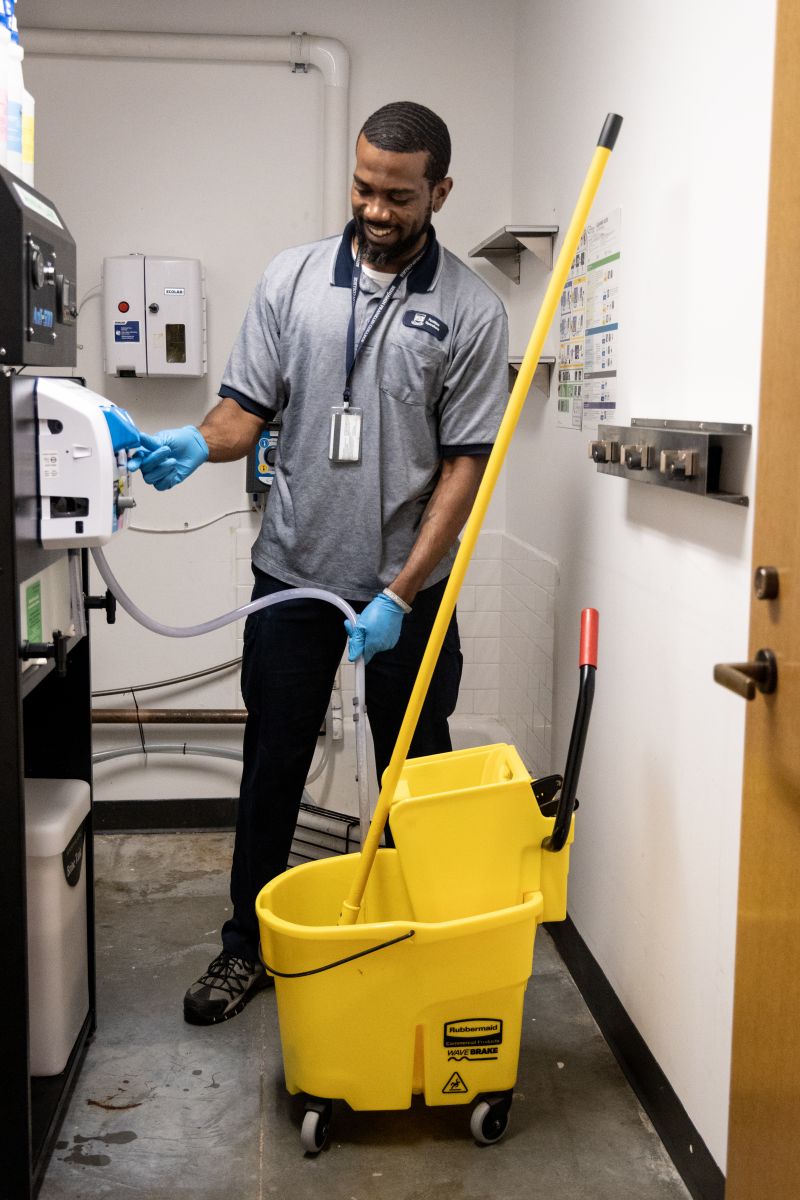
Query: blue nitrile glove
{"x": 172, "y": 456}
{"x": 377, "y": 628}
{"x": 124, "y": 434}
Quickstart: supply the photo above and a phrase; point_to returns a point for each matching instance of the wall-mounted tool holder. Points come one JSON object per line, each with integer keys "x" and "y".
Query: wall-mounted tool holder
{"x": 704, "y": 458}
{"x": 504, "y": 248}
{"x": 542, "y": 376}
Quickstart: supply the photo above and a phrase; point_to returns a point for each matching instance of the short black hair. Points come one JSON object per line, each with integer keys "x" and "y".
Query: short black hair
{"x": 405, "y": 128}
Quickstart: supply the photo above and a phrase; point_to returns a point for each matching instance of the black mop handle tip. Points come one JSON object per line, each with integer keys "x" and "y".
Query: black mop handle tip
{"x": 609, "y": 132}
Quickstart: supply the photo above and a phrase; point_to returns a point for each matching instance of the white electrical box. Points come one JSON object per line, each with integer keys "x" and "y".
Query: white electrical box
{"x": 154, "y": 316}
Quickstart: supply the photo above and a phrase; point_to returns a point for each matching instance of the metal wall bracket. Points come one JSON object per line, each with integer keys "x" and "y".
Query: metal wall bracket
{"x": 703, "y": 458}
{"x": 542, "y": 376}
{"x": 504, "y": 247}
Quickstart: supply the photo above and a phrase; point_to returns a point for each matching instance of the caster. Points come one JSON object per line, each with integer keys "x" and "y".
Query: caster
{"x": 489, "y": 1119}
{"x": 316, "y": 1125}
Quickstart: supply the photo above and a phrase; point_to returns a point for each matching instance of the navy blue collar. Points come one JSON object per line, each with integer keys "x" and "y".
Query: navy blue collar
{"x": 421, "y": 279}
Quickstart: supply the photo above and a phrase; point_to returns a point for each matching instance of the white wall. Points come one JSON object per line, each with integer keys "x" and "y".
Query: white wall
{"x": 222, "y": 162}
{"x": 524, "y": 88}
{"x": 654, "y": 876}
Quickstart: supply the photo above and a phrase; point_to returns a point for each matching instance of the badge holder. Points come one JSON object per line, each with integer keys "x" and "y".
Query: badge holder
{"x": 345, "y": 440}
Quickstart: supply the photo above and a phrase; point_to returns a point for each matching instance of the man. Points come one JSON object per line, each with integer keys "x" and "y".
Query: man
{"x": 385, "y": 360}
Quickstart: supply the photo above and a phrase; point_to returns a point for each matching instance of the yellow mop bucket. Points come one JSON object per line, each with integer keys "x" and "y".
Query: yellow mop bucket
{"x": 391, "y": 1006}
{"x": 423, "y": 992}
{"x": 448, "y": 938}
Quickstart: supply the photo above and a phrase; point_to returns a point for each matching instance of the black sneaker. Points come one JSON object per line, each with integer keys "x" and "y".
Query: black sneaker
{"x": 224, "y": 989}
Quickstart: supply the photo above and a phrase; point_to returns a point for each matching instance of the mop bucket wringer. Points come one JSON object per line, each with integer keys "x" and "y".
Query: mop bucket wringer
{"x": 423, "y": 994}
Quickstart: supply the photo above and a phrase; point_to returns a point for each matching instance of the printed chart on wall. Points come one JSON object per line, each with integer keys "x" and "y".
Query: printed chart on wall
{"x": 589, "y": 328}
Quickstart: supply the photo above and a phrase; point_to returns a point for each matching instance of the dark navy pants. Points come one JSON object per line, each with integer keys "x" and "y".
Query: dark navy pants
{"x": 291, "y": 653}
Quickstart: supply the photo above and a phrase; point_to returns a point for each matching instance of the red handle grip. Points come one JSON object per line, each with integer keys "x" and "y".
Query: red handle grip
{"x": 590, "y": 620}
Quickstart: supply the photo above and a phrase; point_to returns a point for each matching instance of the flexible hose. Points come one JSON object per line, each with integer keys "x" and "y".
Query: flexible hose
{"x": 236, "y": 614}
{"x": 162, "y": 683}
{"x": 167, "y": 748}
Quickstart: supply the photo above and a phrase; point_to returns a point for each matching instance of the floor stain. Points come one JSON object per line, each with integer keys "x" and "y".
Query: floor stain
{"x": 115, "y": 1103}
{"x": 114, "y": 1107}
{"x": 78, "y": 1154}
{"x": 121, "y": 1138}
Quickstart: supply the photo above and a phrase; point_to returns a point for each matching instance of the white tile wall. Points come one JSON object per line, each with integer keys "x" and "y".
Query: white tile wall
{"x": 506, "y": 614}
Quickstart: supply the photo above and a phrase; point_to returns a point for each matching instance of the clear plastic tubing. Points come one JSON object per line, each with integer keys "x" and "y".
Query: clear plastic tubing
{"x": 236, "y": 614}
{"x": 185, "y": 748}
{"x": 181, "y": 748}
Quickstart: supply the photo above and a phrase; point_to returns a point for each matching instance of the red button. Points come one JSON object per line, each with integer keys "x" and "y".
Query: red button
{"x": 123, "y": 306}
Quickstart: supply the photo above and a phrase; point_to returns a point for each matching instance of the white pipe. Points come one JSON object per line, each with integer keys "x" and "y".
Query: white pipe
{"x": 329, "y": 56}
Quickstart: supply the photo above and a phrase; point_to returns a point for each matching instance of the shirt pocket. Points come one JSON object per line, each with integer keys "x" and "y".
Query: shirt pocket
{"x": 413, "y": 371}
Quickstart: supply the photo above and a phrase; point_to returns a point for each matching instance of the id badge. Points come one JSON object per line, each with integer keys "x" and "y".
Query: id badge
{"x": 345, "y": 442}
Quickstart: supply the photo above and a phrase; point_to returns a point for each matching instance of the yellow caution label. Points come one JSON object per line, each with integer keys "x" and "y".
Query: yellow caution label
{"x": 455, "y": 1085}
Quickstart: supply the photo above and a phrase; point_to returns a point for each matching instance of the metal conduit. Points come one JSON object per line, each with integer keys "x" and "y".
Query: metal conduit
{"x": 169, "y": 716}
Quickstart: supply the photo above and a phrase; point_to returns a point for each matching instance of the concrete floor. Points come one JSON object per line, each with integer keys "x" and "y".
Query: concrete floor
{"x": 165, "y": 1111}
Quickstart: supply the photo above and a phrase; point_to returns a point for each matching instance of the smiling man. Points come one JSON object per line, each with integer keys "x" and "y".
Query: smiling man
{"x": 385, "y": 360}
{"x": 394, "y": 197}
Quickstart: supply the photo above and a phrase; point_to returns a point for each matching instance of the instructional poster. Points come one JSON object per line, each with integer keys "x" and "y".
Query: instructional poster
{"x": 587, "y": 367}
{"x": 571, "y": 342}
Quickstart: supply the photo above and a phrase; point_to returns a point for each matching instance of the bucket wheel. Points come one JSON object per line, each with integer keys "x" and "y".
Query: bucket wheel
{"x": 316, "y": 1125}
{"x": 489, "y": 1119}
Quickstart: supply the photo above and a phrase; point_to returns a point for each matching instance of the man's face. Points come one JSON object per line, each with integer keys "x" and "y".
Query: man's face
{"x": 392, "y": 204}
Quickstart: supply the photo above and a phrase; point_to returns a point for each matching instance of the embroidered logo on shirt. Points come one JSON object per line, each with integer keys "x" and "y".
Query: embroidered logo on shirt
{"x": 427, "y": 322}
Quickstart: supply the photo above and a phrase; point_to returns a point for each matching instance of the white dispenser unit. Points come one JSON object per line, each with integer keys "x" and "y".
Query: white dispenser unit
{"x": 154, "y": 316}
{"x": 84, "y": 485}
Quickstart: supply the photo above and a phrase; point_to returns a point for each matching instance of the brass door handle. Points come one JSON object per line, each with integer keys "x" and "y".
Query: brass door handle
{"x": 748, "y": 677}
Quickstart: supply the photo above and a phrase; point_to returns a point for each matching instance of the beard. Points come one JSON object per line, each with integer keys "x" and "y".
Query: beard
{"x": 377, "y": 255}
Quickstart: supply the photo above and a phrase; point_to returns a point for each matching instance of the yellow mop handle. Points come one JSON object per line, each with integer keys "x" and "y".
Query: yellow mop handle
{"x": 391, "y": 775}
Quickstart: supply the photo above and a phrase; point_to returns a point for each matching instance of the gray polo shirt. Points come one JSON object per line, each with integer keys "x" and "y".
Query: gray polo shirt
{"x": 432, "y": 382}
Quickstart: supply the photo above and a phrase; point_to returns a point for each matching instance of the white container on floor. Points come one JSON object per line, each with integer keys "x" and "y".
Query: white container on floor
{"x": 58, "y": 986}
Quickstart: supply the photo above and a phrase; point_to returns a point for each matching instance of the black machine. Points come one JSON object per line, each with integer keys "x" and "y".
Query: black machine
{"x": 38, "y": 303}
{"x": 45, "y": 690}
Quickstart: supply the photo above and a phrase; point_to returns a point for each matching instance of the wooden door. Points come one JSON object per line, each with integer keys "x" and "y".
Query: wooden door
{"x": 764, "y": 1140}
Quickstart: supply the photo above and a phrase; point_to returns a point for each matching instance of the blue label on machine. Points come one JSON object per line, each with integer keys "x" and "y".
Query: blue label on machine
{"x": 265, "y": 456}
{"x": 126, "y": 331}
{"x": 43, "y": 317}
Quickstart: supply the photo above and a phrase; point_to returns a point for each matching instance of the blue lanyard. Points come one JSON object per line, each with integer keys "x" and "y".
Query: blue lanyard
{"x": 354, "y": 350}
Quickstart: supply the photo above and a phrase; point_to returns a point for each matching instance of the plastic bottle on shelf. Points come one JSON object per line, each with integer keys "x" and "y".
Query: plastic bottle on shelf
{"x": 28, "y": 125}
{"x": 16, "y": 89}
{"x": 5, "y": 46}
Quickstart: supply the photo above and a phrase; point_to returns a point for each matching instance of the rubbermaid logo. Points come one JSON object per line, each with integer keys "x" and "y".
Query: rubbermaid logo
{"x": 477, "y": 1031}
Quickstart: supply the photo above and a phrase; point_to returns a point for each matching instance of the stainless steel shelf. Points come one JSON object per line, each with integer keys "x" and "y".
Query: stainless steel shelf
{"x": 504, "y": 248}
{"x": 542, "y": 376}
